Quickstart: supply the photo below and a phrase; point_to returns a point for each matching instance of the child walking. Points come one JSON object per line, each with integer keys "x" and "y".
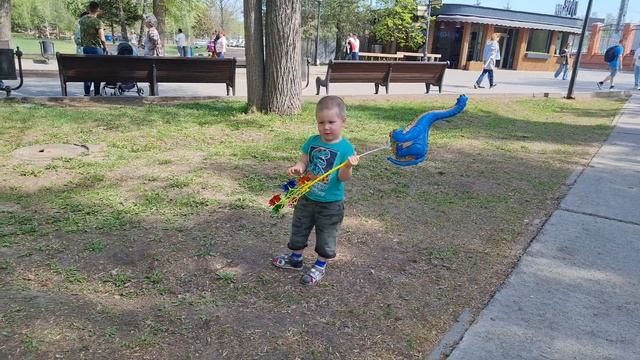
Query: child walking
{"x": 323, "y": 206}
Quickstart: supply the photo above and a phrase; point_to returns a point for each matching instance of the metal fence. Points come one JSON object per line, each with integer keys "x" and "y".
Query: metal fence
{"x": 326, "y": 50}
{"x": 609, "y": 37}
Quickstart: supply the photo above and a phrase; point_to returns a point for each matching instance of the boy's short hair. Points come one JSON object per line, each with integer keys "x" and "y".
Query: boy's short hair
{"x": 332, "y": 103}
{"x": 94, "y": 6}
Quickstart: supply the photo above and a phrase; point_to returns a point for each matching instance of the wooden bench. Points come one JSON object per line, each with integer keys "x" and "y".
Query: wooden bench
{"x": 430, "y": 57}
{"x": 382, "y": 73}
{"x": 147, "y": 69}
{"x": 381, "y": 55}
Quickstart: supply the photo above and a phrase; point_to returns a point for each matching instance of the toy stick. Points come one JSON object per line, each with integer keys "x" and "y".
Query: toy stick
{"x": 296, "y": 193}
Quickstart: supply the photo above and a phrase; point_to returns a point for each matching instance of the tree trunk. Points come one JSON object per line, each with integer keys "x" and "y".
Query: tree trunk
{"x": 159, "y": 10}
{"x": 221, "y": 4}
{"x": 254, "y": 53}
{"x": 123, "y": 23}
{"x": 282, "y": 72}
{"x": 5, "y": 23}
{"x": 339, "y": 46}
{"x": 141, "y": 34}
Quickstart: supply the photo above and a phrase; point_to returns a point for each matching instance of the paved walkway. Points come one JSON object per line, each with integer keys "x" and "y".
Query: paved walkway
{"x": 575, "y": 294}
{"x": 456, "y": 82}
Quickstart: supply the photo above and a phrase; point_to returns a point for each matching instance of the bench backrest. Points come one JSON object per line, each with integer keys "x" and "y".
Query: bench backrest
{"x": 419, "y": 72}
{"x": 195, "y": 70}
{"x": 118, "y": 68}
{"x": 383, "y": 71}
{"x": 357, "y": 71}
{"x": 7, "y": 65}
{"x": 74, "y": 68}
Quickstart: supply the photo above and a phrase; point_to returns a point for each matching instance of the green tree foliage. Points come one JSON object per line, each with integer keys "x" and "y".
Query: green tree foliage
{"x": 110, "y": 11}
{"x": 396, "y": 22}
{"x": 204, "y": 23}
{"x": 337, "y": 19}
{"x": 111, "y": 14}
{"x": 30, "y": 15}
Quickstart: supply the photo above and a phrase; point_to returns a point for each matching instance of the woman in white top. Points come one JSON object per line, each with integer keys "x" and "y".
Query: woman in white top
{"x": 221, "y": 45}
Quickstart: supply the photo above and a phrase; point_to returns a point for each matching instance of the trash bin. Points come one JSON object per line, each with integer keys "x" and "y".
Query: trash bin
{"x": 47, "y": 49}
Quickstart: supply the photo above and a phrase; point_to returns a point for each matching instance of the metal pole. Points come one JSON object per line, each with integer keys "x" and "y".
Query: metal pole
{"x": 426, "y": 37}
{"x": 576, "y": 62}
{"x": 316, "y": 61}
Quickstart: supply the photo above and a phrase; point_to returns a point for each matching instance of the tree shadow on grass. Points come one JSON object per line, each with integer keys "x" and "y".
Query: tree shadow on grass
{"x": 418, "y": 245}
{"x": 430, "y": 231}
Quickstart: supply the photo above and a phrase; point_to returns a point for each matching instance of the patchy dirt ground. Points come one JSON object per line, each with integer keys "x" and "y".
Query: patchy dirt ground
{"x": 161, "y": 248}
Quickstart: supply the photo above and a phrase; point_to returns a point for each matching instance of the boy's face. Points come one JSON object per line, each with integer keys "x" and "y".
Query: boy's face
{"x": 330, "y": 125}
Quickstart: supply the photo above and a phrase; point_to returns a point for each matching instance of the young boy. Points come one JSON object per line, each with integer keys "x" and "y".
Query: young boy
{"x": 323, "y": 206}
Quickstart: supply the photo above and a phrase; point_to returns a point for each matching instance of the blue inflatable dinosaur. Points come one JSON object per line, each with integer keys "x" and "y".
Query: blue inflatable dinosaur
{"x": 411, "y": 144}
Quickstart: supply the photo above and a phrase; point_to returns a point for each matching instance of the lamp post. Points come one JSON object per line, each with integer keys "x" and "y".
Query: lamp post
{"x": 576, "y": 62}
{"x": 426, "y": 34}
{"x": 316, "y": 61}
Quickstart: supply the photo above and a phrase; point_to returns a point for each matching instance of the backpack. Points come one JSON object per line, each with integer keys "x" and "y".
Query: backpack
{"x": 610, "y": 54}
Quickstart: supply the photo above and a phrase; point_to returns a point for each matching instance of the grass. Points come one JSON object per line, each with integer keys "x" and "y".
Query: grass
{"x": 31, "y": 46}
{"x": 95, "y": 246}
{"x": 162, "y": 246}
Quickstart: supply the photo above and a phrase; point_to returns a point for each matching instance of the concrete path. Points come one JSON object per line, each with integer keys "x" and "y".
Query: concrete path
{"x": 575, "y": 294}
{"x": 44, "y": 81}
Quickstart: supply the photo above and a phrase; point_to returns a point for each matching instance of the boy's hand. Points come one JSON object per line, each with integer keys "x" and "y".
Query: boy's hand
{"x": 295, "y": 170}
{"x": 353, "y": 160}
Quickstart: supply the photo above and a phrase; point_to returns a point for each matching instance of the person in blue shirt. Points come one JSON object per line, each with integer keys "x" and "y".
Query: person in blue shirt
{"x": 614, "y": 66}
{"x": 323, "y": 206}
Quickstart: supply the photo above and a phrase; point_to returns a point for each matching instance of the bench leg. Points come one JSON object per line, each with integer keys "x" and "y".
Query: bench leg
{"x": 386, "y": 88}
{"x": 227, "y": 89}
{"x": 440, "y": 89}
{"x": 64, "y": 89}
{"x": 318, "y": 84}
{"x": 377, "y": 88}
{"x": 428, "y": 86}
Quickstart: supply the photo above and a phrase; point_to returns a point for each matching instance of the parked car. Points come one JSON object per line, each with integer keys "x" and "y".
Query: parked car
{"x": 200, "y": 43}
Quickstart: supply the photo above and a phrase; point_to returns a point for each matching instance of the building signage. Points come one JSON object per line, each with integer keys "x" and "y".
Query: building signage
{"x": 569, "y": 8}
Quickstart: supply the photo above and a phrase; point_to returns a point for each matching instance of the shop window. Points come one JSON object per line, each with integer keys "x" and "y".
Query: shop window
{"x": 562, "y": 40}
{"x": 539, "y": 41}
{"x": 476, "y": 43}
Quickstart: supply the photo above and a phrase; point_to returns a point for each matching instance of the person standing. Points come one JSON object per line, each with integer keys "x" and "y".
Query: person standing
{"x": 490, "y": 55}
{"x": 211, "y": 46}
{"x": 613, "y": 57}
{"x": 92, "y": 41}
{"x": 348, "y": 48}
{"x": 152, "y": 44}
{"x": 181, "y": 42}
{"x": 221, "y": 45}
{"x": 355, "y": 49}
{"x": 636, "y": 67}
{"x": 76, "y": 36}
{"x": 564, "y": 63}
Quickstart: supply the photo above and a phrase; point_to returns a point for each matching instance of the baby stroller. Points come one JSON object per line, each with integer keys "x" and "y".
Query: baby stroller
{"x": 117, "y": 89}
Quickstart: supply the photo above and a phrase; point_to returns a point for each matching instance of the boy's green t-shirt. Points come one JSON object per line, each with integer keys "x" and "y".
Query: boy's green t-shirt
{"x": 89, "y": 28}
{"x": 322, "y": 158}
